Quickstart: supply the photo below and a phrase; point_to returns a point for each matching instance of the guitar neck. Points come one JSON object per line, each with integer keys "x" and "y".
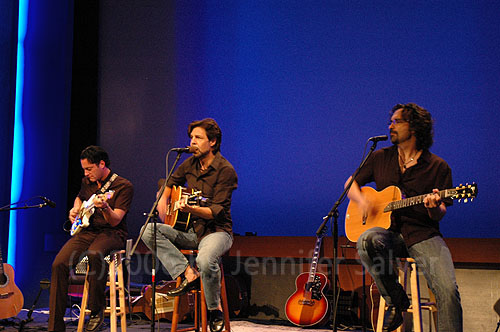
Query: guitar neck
{"x": 415, "y": 200}
{"x": 314, "y": 262}
{"x": 1, "y": 263}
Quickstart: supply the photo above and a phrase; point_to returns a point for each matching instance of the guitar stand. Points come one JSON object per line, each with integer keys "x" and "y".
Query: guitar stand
{"x": 44, "y": 284}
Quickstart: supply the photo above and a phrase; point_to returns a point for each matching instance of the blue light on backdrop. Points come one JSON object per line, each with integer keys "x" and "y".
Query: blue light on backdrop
{"x": 18, "y": 142}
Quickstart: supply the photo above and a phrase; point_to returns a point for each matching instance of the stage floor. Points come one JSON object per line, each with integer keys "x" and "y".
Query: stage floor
{"x": 136, "y": 324}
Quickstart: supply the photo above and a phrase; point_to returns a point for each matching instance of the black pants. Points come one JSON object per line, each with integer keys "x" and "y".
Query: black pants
{"x": 95, "y": 245}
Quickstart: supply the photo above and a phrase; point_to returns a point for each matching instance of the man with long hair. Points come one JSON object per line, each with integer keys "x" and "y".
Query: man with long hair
{"x": 414, "y": 231}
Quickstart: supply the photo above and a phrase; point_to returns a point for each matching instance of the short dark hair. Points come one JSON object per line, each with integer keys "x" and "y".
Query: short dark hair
{"x": 212, "y": 129}
{"x": 95, "y": 154}
{"x": 420, "y": 121}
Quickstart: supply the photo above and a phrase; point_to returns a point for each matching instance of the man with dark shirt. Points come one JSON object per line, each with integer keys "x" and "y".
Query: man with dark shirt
{"x": 414, "y": 231}
{"x": 211, "y": 233}
{"x": 107, "y": 232}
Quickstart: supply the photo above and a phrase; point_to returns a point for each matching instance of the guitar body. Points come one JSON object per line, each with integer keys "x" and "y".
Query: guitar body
{"x": 11, "y": 298}
{"x": 308, "y": 307}
{"x": 174, "y": 217}
{"x": 86, "y": 211}
{"x": 356, "y": 222}
{"x": 82, "y": 220}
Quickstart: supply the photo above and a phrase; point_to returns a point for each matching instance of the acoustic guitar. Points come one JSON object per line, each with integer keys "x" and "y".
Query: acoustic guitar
{"x": 11, "y": 298}
{"x": 308, "y": 306}
{"x": 388, "y": 200}
{"x": 176, "y": 218}
{"x": 87, "y": 209}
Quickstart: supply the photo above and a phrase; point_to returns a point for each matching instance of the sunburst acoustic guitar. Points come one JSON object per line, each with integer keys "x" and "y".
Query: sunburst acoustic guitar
{"x": 11, "y": 298}
{"x": 388, "y": 200}
{"x": 308, "y": 306}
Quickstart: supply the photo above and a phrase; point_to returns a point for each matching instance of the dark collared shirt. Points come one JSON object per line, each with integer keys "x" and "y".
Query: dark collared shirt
{"x": 430, "y": 172}
{"x": 121, "y": 199}
{"x": 216, "y": 183}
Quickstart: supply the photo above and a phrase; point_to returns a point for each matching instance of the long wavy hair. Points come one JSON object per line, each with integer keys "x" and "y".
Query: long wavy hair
{"x": 421, "y": 123}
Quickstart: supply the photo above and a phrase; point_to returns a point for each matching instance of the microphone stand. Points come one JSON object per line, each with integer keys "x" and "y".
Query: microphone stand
{"x": 154, "y": 214}
{"x": 44, "y": 284}
{"x": 37, "y": 206}
{"x": 335, "y": 214}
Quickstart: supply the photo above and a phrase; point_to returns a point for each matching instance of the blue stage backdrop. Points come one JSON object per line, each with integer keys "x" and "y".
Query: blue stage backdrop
{"x": 297, "y": 88}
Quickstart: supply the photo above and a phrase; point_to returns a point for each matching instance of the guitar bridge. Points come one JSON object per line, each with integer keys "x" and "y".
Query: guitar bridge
{"x": 306, "y": 302}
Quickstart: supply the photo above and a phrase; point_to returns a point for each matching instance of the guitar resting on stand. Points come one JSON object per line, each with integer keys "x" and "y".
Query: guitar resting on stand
{"x": 308, "y": 306}
{"x": 335, "y": 231}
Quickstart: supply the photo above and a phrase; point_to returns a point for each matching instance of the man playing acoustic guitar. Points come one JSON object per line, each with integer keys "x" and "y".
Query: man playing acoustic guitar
{"x": 211, "y": 232}
{"x": 110, "y": 196}
{"x": 414, "y": 231}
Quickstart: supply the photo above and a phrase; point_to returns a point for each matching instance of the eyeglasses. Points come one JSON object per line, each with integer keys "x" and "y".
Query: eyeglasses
{"x": 396, "y": 121}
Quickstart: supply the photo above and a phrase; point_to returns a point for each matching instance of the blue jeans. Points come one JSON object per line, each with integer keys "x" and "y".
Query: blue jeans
{"x": 378, "y": 248}
{"x": 210, "y": 249}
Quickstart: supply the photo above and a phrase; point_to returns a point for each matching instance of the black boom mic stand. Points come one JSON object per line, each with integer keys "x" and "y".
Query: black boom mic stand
{"x": 153, "y": 214}
{"x": 335, "y": 231}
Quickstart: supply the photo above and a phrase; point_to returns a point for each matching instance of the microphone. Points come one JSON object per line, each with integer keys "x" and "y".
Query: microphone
{"x": 188, "y": 149}
{"x": 378, "y": 138}
{"x": 48, "y": 202}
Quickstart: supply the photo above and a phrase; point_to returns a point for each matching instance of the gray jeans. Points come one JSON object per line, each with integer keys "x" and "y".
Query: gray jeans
{"x": 378, "y": 247}
{"x": 210, "y": 250}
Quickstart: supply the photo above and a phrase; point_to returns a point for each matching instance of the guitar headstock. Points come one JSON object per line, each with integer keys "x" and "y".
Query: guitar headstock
{"x": 464, "y": 192}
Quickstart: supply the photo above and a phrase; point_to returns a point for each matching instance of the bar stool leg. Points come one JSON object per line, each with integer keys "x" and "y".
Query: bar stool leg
{"x": 121, "y": 292}
{"x": 415, "y": 298}
{"x": 223, "y": 297}
{"x": 203, "y": 305}
{"x": 83, "y": 307}
{"x": 381, "y": 314}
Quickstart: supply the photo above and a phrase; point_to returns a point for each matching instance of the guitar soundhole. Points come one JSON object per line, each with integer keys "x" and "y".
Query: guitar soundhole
{"x": 4, "y": 279}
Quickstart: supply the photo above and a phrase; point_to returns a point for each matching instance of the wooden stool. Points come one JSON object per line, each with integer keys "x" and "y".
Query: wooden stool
{"x": 201, "y": 304}
{"x": 115, "y": 270}
{"x": 416, "y": 306}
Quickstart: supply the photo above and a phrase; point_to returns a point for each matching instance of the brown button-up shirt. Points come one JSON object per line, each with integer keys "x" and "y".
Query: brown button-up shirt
{"x": 216, "y": 183}
{"x": 430, "y": 172}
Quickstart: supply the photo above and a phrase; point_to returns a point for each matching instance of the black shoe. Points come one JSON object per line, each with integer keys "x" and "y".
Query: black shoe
{"x": 394, "y": 315}
{"x": 393, "y": 319}
{"x": 95, "y": 321}
{"x": 216, "y": 320}
{"x": 184, "y": 287}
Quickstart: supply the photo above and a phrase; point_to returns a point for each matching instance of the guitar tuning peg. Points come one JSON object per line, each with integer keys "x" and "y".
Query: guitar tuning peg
{"x": 466, "y": 200}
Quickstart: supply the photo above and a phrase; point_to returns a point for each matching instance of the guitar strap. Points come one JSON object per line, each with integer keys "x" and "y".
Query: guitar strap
{"x": 108, "y": 184}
